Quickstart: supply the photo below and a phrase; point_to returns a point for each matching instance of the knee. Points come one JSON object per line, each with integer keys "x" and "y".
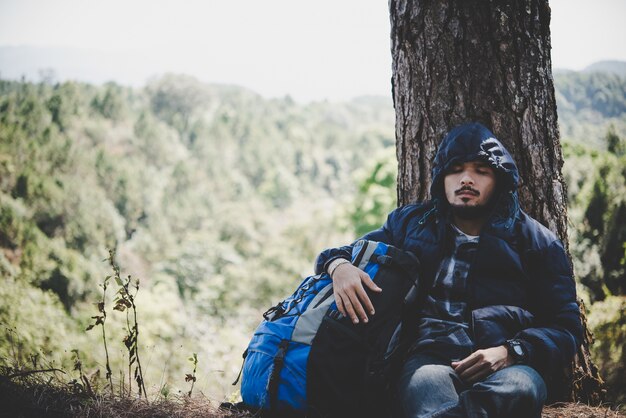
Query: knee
{"x": 525, "y": 384}
{"x": 423, "y": 390}
{"x": 428, "y": 377}
{"x": 516, "y": 391}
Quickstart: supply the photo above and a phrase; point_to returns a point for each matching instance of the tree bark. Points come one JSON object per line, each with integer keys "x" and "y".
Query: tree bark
{"x": 486, "y": 61}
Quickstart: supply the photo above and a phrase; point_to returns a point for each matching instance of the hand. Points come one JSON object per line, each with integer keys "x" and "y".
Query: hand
{"x": 481, "y": 363}
{"x": 350, "y": 296}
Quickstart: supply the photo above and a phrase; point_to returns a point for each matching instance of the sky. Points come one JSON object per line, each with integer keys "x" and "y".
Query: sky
{"x": 310, "y": 50}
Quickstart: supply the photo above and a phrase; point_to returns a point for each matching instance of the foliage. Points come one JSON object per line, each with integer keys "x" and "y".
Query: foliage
{"x": 597, "y": 196}
{"x": 219, "y": 201}
{"x": 375, "y": 197}
{"x": 100, "y": 319}
{"x": 588, "y": 103}
{"x": 207, "y": 193}
{"x": 191, "y": 377}
{"x": 608, "y": 321}
{"x": 597, "y": 213}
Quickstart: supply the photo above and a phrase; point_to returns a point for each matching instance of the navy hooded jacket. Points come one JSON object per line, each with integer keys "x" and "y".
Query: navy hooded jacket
{"x": 518, "y": 263}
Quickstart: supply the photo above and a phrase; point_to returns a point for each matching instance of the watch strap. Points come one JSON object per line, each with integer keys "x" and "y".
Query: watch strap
{"x": 516, "y": 350}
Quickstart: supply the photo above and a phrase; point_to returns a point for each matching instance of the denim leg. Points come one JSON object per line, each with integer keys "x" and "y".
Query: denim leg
{"x": 513, "y": 392}
{"x": 426, "y": 385}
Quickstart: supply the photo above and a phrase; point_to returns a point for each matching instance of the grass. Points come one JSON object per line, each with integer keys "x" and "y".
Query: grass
{"x": 24, "y": 395}
{"x": 576, "y": 410}
{"x": 42, "y": 395}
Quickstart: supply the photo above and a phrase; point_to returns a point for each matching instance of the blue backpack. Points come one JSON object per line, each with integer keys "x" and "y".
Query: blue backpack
{"x": 307, "y": 358}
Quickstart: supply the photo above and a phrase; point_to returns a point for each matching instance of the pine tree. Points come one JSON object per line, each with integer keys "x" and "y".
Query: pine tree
{"x": 487, "y": 61}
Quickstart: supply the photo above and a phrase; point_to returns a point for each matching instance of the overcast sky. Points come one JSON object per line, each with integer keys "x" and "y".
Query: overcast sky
{"x": 319, "y": 49}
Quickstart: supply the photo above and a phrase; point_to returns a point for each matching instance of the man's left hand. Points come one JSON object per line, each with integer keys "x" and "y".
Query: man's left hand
{"x": 481, "y": 363}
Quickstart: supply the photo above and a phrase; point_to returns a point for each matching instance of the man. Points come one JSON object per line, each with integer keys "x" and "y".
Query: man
{"x": 501, "y": 319}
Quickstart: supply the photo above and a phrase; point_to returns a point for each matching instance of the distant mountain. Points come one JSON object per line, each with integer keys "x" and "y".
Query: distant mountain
{"x": 609, "y": 66}
{"x": 557, "y": 71}
{"x": 133, "y": 68}
{"x": 615, "y": 67}
{"x": 590, "y": 103}
{"x": 63, "y": 64}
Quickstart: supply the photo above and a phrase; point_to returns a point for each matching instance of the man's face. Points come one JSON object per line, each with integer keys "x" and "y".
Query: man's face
{"x": 470, "y": 185}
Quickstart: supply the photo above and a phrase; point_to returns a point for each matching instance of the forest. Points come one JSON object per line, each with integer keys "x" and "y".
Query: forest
{"x": 215, "y": 201}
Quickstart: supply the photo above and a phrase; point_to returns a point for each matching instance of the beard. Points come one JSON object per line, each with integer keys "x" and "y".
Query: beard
{"x": 470, "y": 212}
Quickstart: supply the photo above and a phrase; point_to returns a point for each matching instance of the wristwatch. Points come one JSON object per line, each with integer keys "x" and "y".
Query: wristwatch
{"x": 516, "y": 350}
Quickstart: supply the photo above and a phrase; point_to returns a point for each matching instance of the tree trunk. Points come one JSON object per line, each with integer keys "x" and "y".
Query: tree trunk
{"x": 486, "y": 61}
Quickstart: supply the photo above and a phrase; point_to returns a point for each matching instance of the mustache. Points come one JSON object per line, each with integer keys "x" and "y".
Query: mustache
{"x": 467, "y": 189}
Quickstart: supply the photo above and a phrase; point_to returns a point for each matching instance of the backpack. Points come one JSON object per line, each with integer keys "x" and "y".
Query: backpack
{"x": 307, "y": 359}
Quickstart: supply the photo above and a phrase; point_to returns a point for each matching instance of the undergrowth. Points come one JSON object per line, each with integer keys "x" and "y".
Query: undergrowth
{"x": 43, "y": 393}
{"x": 37, "y": 389}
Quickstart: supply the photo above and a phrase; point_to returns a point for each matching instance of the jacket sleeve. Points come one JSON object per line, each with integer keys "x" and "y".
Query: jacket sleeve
{"x": 552, "y": 343}
{"x": 382, "y": 234}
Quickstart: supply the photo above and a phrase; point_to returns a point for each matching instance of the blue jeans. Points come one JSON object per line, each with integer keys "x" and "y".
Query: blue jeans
{"x": 430, "y": 388}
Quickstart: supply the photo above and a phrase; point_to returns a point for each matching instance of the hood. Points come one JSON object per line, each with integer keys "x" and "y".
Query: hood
{"x": 472, "y": 142}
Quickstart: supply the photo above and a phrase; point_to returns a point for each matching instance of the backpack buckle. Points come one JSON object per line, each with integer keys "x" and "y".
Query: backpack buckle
{"x": 383, "y": 260}
{"x": 273, "y": 312}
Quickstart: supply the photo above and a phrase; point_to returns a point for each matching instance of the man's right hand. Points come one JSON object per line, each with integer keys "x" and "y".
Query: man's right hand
{"x": 350, "y": 296}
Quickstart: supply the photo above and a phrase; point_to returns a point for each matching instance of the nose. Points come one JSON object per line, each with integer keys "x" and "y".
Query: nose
{"x": 466, "y": 178}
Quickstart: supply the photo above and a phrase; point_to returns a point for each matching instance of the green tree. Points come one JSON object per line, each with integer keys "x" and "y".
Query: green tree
{"x": 375, "y": 196}
{"x": 615, "y": 145}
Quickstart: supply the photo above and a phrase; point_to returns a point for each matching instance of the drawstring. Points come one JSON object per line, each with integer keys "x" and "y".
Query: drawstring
{"x": 427, "y": 214}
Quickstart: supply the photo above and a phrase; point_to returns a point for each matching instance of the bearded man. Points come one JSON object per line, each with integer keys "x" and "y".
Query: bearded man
{"x": 501, "y": 320}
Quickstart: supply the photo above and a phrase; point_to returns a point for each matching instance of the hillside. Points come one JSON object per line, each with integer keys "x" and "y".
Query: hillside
{"x": 589, "y": 103}
{"x": 216, "y": 199}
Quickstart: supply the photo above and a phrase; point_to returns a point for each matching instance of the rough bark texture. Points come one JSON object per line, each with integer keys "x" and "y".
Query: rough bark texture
{"x": 486, "y": 61}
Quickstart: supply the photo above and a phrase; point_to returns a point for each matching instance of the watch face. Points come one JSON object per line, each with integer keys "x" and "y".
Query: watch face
{"x": 518, "y": 350}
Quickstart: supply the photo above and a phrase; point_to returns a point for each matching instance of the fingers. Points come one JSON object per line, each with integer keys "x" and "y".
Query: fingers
{"x": 350, "y": 306}
{"x": 351, "y": 299}
{"x": 357, "y": 305}
{"x": 340, "y": 305}
{"x": 365, "y": 301}
{"x": 460, "y": 366}
{"x": 480, "y": 364}
{"x": 350, "y": 296}
{"x": 367, "y": 281}
{"x": 475, "y": 372}
{"x": 470, "y": 368}
{"x": 349, "y": 309}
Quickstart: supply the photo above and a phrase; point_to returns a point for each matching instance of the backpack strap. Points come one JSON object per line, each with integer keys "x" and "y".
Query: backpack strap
{"x": 272, "y": 386}
{"x": 245, "y": 354}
